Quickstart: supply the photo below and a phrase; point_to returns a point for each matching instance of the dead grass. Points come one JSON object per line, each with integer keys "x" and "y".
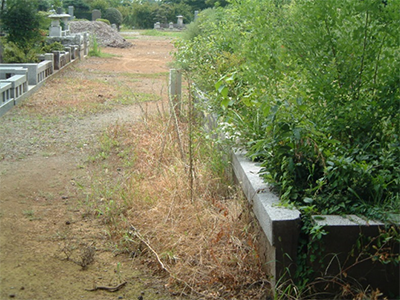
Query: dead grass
{"x": 87, "y": 92}
{"x": 140, "y": 188}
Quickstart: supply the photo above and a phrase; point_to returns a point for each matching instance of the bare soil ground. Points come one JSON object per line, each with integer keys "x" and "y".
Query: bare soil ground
{"x": 45, "y": 242}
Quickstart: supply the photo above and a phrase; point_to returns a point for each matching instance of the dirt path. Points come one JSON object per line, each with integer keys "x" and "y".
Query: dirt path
{"x": 45, "y": 238}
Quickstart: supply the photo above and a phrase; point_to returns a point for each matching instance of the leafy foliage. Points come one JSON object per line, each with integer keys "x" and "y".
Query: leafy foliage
{"x": 21, "y": 22}
{"x": 144, "y": 15}
{"x": 312, "y": 89}
{"x": 80, "y": 5}
{"x": 104, "y": 20}
{"x": 56, "y": 46}
{"x": 44, "y": 5}
{"x": 12, "y": 53}
{"x": 114, "y": 16}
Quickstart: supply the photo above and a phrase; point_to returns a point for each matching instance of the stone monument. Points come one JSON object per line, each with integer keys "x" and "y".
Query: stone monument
{"x": 96, "y": 14}
{"x": 71, "y": 12}
{"x": 180, "y": 21}
{"x": 56, "y": 21}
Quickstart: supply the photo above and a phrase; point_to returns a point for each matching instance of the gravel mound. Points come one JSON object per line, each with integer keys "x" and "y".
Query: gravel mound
{"x": 106, "y": 36}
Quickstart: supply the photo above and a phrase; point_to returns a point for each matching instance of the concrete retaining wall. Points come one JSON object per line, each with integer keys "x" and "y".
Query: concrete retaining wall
{"x": 280, "y": 226}
{"x": 281, "y": 229}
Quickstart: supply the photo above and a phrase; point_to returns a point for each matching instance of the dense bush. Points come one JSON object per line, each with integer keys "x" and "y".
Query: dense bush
{"x": 44, "y": 21}
{"x": 114, "y": 16}
{"x": 144, "y": 15}
{"x": 21, "y": 22}
{"x": 79, "y": 5}
{"x": 56, "y": 46}
{"x": 12, "y": 53}
{"x": 44, "y": 5}
{"x": 104, "y": 21}
{"x": 311, "y": 89}
{"x": 101, "y": 5}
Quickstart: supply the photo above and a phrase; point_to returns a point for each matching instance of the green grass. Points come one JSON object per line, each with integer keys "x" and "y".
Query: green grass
{"x": 130, "y": 37}
{"x": 30, "y": 214}
{"x": 153, "y": 32}
{"x": 148, "y": 75}
{"x": 102, "y": 54}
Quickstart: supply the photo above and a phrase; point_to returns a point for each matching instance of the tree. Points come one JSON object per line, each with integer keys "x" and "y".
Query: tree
{"x": 217, "y": 3}
{"x": 199, "y": 4}
{"x": 101, "y": 5}
{"x": 21, "y": 21}
{"x": 79, "y": 5}
{"x": 81, "y": 8}
{"x": 114, "y": 16}
{"x": 44, "y": 5}
{"x": 142, "y": 15}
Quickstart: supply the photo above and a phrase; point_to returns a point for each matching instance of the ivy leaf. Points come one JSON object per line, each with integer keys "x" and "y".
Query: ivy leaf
{"x": 223, "y": 90}
{"x": 308, "y": 200}
{"x": 225, "y": 103}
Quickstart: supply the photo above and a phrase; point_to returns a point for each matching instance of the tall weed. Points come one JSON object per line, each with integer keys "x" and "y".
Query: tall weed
{"x": 200, "y": 235}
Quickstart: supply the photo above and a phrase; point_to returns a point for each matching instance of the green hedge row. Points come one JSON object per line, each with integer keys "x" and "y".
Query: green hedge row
{"x": 312, "y": 90}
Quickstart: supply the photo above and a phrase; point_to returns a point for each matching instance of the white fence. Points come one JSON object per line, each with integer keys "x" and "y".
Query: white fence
{"x": 7, "y": 102}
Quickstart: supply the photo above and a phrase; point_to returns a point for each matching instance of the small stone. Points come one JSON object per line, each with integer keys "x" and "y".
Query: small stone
{"x": 12, "y": 295}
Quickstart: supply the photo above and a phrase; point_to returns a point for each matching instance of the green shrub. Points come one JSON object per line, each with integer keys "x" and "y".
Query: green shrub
{"x": 14, "y": 54}
{"x": 82, "y": 9}
{"x": 323, "y": 77}
{"x": 205, "y": 19}
{"x": 104, "y": 21}
{"x": 311, "y": 90}
{"x": 21, "y": 21}
{"x": 44, "y": 21}
{"x": 114, "y": 16}
{"x": 56, "y": 46}
{"x": 101, "y": 5}
{"x": 144, "y": 15}
{"x": 95, "y": 48}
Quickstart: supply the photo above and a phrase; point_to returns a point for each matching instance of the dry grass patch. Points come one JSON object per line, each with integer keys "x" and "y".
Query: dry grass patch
{"x": 86, "y": 92}
{"x": 77, "y": 95}
{"x": 200, "y": 236}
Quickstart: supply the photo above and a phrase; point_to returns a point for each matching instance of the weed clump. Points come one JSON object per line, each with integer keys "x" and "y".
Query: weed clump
{"x": 198, "y": 232}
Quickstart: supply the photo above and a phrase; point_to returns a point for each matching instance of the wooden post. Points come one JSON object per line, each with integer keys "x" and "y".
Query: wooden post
{"x": 175, "y": 90}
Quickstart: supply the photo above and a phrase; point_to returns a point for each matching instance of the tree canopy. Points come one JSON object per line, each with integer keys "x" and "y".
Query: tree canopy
{"x": 21, "y": 21}
{"x": 114, "y": 16}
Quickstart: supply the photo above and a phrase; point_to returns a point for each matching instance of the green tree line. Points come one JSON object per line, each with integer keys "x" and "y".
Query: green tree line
{"x": 140, "y": 14}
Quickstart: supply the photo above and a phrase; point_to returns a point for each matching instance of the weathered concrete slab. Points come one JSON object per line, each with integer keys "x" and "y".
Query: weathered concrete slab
{"x": 341, "y": 241}
{"x": 281, "y": 226}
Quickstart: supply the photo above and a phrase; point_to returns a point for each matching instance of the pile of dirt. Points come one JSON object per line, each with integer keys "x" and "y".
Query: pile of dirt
{"x": 106, "y": 35}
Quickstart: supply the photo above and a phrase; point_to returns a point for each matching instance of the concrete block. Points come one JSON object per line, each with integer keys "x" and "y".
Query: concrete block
{"x": 280, "y": 226}
{"x": 281, "y": 229}
{"x": 343, "y": 232}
